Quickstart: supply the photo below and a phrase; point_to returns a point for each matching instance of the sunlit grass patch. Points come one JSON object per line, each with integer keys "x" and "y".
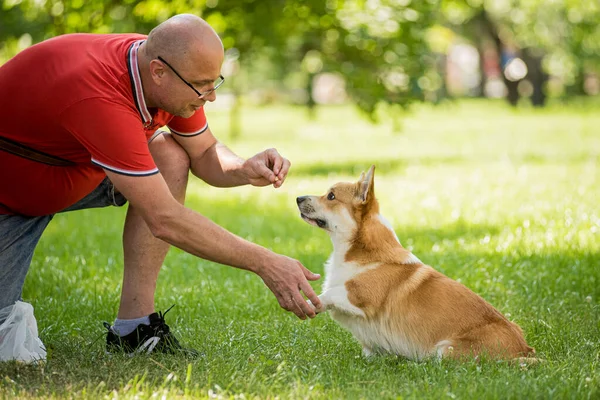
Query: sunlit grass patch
{"x": 504, "y": 201}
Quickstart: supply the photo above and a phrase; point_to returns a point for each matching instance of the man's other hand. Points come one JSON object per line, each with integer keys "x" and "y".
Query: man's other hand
{"x": 266, "y": 168}
{"x": 288, "y": 279}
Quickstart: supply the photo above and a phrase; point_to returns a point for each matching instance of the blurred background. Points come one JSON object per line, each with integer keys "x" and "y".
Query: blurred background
{"x": 380, "y": 55}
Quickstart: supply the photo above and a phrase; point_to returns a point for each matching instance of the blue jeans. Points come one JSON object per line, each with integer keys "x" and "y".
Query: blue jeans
{"x": 20, "y": 234}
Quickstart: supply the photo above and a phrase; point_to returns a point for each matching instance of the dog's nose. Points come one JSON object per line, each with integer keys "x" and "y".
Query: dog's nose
{"x": 301, "y": 199}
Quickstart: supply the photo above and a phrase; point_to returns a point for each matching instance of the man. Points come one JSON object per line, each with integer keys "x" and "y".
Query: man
{"x": 78, "y": 128}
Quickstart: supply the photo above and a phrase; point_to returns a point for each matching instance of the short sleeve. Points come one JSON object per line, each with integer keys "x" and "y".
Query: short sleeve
{"x": 192, "y": 126}
{"x": 113, "y": 134}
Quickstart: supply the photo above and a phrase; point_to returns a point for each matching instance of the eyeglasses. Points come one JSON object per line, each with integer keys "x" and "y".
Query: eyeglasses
{"x": 201, "y": 95}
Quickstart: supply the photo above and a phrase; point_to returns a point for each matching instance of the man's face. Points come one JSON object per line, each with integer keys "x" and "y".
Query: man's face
{"x": 189, "y": 83}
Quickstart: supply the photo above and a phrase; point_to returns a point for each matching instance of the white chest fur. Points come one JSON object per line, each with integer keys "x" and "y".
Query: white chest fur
{"x": 376, "y": 335}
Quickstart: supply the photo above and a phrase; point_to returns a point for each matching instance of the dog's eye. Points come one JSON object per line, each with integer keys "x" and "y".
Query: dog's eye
{"x": 331, "y": 196}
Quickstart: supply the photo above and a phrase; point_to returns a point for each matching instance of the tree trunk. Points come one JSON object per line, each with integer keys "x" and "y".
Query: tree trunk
{"x": 234, "y": 113}
{"x": 311, "y": 104}
{"x": 536, "y": 75}
{"x": 488, "y": 26}
{"x": 578, "y": 87}
{"x": 482, "y": 72}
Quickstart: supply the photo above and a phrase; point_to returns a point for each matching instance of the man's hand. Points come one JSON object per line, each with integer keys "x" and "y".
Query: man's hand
{"x": 266, "y": 168}
{"x": 286, "y": 278}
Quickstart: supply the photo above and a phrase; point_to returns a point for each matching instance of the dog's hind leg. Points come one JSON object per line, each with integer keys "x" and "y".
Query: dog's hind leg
{"x": 444, "y": 348}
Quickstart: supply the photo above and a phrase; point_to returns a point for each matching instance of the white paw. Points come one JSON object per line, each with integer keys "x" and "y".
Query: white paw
{"x": 317, "y": 309}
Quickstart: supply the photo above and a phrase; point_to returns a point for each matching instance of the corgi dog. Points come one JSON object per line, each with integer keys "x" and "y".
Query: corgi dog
{"x": 389, "y": 299}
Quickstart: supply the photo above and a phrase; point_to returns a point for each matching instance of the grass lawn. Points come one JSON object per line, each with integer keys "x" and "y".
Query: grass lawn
{"x": 505, "y": 201}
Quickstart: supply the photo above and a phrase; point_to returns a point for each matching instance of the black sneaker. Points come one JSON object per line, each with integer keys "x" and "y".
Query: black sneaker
{"x": 147, "y": 339}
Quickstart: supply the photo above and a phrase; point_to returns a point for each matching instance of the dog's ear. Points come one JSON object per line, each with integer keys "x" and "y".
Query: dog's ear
{"x": 366, "y": 182}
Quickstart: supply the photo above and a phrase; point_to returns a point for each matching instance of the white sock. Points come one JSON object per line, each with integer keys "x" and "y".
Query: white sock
{"x": 123, "y": 327}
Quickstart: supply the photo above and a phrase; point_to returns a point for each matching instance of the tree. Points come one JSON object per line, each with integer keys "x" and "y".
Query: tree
{"x": 554, "y": 38}
{"x": 378, "y": 46}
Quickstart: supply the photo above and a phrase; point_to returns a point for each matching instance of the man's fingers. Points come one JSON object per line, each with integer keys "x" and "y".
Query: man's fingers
{"x": 285, "y": 167}
{"x": 276, "y": 160}
{"x": 311, "y": 276}
{"x": 295, "y": 308}
{"x": 271, "y": 166}
{"x": 306, "y": 308}
{"x": 295, "y": 303}
{"x": 287, "y": 302}
{"x": 282, "y": 301}
{"x": 307, "y": 289}
{"x": 266, "y": 173}
{"x": 291, "y": 287}
{"x": 310, "y": 293}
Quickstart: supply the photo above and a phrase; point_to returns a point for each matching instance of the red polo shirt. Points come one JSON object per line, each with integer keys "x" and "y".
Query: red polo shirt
{"x": 78, "y": 97}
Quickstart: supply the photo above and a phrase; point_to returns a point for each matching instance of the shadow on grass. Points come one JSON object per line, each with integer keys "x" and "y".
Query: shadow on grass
{"x": 454, "y": 249}
{"x": 278, "y": 229}
{"x": 458, "y": 230}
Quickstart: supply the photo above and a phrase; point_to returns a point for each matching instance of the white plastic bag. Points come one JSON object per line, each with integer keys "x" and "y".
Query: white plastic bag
{"x": 19, "y": 334}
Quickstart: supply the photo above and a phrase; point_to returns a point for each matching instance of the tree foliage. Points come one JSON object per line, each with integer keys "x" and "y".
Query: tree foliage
{"x": 563, "y": 34}
{"x": 380, "y": 47}
{"x": 377, "y": 45}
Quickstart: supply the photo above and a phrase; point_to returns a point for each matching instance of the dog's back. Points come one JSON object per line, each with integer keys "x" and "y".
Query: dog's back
{"x": 414, "y": 310}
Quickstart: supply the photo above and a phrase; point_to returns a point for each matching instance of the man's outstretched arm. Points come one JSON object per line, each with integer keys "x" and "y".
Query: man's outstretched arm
{"x": 192, "y": 232}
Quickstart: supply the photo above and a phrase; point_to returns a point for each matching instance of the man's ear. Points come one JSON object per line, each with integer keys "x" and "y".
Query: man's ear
{"x": 157, "y": 71}
{"x": 366, "y": 182}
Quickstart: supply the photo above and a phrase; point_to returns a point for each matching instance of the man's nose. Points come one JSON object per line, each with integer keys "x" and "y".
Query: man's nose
{"x": 212, "y": 96}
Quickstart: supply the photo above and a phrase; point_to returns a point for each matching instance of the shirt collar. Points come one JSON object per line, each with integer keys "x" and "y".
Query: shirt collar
{"x": 136, "y": 83}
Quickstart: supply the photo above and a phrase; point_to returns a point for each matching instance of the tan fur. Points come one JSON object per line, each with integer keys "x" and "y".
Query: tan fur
{"x": 409, "y": 308}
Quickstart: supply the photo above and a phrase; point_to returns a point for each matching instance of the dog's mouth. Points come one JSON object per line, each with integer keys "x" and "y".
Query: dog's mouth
{"x": 321, "y": 223}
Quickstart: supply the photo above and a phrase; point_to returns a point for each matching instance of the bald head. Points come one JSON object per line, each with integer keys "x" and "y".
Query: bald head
{"x": 184, "y": 37}
{"x": 191, "y": 52}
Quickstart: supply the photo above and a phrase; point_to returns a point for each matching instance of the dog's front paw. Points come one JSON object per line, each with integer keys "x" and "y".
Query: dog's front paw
{"x": 319, "y": 309}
